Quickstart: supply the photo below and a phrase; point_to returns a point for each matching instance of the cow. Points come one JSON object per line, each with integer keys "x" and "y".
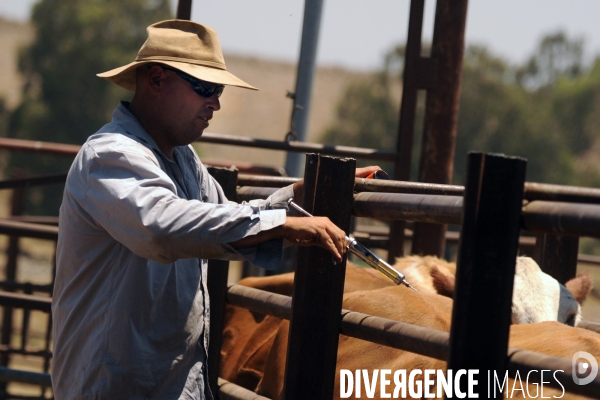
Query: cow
{"x": 254, "y": 345}
{"x": 537, "y": 296}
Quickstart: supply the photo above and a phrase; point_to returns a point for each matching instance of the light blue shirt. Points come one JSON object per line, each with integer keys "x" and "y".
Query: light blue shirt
{"x": 130, "y": 304}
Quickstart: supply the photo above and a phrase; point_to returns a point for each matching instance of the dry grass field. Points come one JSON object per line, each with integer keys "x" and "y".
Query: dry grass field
{"x": 13, "y": 35}
{"x": 262, "y": 114}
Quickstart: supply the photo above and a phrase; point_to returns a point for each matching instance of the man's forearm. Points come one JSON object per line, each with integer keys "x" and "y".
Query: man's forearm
{"x": 260, "y": 237}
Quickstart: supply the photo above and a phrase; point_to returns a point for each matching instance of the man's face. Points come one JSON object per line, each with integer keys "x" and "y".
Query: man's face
{"x": 185, "y": 113}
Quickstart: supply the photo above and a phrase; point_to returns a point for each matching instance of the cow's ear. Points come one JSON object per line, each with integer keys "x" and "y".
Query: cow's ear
{"x": 580, "y": 286}
{"x": 443, "y": 284}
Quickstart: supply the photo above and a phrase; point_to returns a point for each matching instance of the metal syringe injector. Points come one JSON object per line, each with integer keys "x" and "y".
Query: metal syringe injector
{"x": 367, "y": 255}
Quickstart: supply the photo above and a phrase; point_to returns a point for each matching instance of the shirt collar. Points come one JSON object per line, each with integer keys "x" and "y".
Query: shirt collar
{"x": 122, "y": 116}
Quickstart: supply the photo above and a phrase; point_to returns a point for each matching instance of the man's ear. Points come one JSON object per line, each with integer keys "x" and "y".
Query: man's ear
{"x": 153, "y": 78}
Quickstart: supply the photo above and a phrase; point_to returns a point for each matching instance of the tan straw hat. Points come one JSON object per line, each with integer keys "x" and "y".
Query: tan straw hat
{"x": 184, "y": 45}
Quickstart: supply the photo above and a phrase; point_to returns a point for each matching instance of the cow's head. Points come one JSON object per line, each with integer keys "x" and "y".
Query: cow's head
{"x": 537, "y": 296}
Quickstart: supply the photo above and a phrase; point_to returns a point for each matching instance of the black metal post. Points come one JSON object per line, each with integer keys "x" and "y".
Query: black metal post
{"x": 557, "y": 255}
{"x": 318, "y": 285}
{"x": 486, "y": 266}
{"x": 408, "y": 108}
{"x": 12, "y": 254}
{"x": 304, "y": 81}
{"x": 441, "y": 113}
{"x": 217, "y": 285}
{"x": 184, "y": 9}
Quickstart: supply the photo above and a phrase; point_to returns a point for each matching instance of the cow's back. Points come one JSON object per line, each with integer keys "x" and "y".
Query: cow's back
{"x": 248, "y": 336}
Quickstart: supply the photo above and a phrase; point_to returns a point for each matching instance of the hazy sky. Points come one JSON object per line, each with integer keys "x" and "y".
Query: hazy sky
{"x": 357, "y": 33}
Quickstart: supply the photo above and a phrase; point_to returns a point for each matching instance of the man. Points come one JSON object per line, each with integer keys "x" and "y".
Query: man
{"x": 140, "y": 216}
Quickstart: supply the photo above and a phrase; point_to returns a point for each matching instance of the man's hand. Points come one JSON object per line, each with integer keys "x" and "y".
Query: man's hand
{"x": 304, "y": 231}
{"x": 316, "y": 231}
{"x": 364, "y": 172}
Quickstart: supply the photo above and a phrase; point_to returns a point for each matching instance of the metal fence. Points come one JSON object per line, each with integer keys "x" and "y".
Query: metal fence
{"x": 442, "y": 204}
{"x": 547, "y": 210}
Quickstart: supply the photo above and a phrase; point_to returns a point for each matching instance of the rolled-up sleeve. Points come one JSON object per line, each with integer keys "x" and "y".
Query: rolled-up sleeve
{"x": 135, "y": 201}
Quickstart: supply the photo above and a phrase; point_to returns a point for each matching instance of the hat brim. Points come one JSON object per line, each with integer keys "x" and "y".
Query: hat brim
{"x": 125, "y": 76}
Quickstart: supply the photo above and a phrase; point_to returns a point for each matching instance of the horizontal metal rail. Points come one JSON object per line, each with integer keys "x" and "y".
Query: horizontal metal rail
{"x": 30, "y": 302}
{"x": 53, "y": 179}
{"x": 260, "y": 301}
{"x": 525, "y": 361}
{"x": 231, "y": 391}
{"x": 265, "y": 181}
{"x": 32, "y": 146}
{"x": 562, "y": 218}
{"x": 399, "y": 335}
{"x": 533, "y": 191}
{"x": 26, "y": 229}
{"x": 412, "y": 338}
{"x": 385, "y": 186}
{"x": 60, "y": 149}
{"x": 538, "y": 216}
{"x": 244, "y": 167}
{"x": 35, "y": 219}
{"x": 435, "y": 209}
{"x": 4, "y": 349}
{"x": 588, "y": 258}
{"x": 590, "y": 326}
{"x": 295, "y": 146}
{"x": 27, "y": 287}
{"x": 34, "y": 378}
{"x": 570, "y": 194}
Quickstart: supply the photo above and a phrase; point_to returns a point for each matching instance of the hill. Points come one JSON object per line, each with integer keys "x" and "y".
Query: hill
{"x": 13, "y": 35}
{"x": 263, "y": 114}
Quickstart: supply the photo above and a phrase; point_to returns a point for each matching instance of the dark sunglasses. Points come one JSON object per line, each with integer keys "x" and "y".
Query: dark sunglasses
{"x": 203, "y": 88}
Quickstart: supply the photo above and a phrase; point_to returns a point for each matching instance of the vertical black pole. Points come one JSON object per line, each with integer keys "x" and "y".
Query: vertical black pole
{"x": 486, "y": 266}
{"x": 408, "y": 110}
{"x": 184, "y": 9}
{"x": 12, "y": 254}
{"x": 557, "y": 255}
{"x": 318, "y": 284}
{"x": 217, "y": 285}
{"x": 441, "y": 113}
{"x": 304, "y": 82}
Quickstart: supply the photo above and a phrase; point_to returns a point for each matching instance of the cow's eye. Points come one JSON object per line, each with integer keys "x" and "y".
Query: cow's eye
{"x": 570, "y": 321}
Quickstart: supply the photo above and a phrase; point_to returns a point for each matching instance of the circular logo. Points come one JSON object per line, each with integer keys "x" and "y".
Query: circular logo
{"x": 583, "y": 368}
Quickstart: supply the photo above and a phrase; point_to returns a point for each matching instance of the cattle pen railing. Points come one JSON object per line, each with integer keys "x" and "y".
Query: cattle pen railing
{"x": 548, "y": 210}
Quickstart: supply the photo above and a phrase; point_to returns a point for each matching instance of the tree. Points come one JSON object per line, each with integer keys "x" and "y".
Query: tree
{"x": 547, "y": 114}
{"x": 365, "y": 123}
{"x": 63, "y": 99}
{"x": 556, "y": 56}
{"x": 497, "y": 115}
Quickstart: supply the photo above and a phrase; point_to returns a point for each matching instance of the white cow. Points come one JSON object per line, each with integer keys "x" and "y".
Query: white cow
{"x": 537, "y": 296}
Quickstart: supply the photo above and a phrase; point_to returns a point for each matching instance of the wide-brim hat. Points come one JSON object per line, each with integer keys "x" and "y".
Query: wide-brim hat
{"x": 185, "y": 45}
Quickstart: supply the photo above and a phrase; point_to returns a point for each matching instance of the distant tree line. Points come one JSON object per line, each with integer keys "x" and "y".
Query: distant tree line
{"x": 546, "y": 110}
{"x": 63, "y": 100}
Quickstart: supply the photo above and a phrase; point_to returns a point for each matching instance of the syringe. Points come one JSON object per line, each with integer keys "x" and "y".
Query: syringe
{"x": 367, "y": 255}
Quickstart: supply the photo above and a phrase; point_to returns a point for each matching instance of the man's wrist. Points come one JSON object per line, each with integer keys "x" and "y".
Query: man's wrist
{"x": 298, "y": 191}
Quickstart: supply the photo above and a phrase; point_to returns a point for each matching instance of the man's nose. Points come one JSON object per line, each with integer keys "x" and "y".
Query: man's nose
{"x": 214, "y": 103}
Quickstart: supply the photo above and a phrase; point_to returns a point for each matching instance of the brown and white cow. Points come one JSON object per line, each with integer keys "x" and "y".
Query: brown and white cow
{"x": 537, "y": 296}
{"x": 254, "y": 347}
